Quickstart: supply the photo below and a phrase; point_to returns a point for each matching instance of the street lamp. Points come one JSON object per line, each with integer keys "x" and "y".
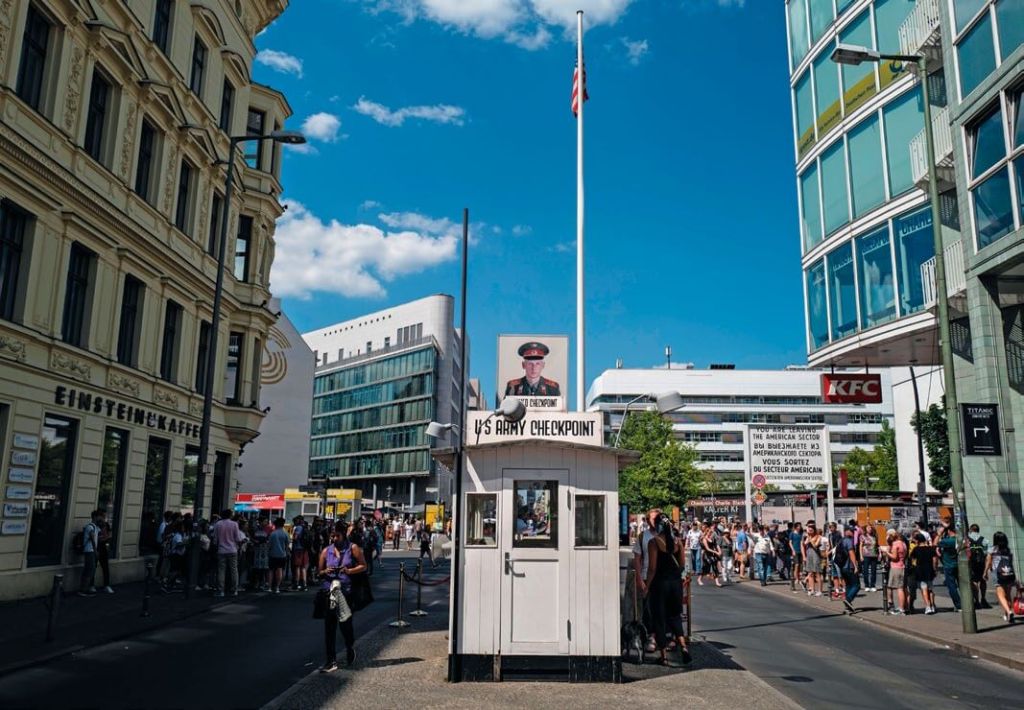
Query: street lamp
{"x": 854, "y": 55}
{"x": 665, "y": 402}
{"x": 291, "y": 138}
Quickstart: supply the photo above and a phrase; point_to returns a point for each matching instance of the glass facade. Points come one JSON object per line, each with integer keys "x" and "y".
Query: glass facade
{"x": 370, "y": 419}
{"x": 995, "y": 160}
{"x": 904, "y": 119}
{"x": 842, "y": 292}
{"x": 867, "y": 183}
{"x": 50, "y": 499}
{"x": 987, "y": 33}
{"x": 877, "y": 291}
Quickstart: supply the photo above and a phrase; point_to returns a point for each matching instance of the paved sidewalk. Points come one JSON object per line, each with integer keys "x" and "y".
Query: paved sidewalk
{"x": 996, "y": 641}
{"x": 83, "y": 622}
{"x": 408, "y": 669}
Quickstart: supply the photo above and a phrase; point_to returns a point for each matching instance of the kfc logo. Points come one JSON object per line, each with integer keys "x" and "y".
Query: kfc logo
{"x": 851, "y": 389}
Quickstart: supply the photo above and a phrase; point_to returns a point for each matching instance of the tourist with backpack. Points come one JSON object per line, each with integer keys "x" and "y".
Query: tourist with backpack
{"x": 89, "y": 545}
{"x": 301, "y": 542}
{"x": 977, "y": 555}
{"x": 1000, "y": 563}
{"x": 848, "y": 560}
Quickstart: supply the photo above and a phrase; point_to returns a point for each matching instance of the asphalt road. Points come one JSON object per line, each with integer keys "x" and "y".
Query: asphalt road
{"x": 238, "y": 655}
{"x": 829, "y": 660}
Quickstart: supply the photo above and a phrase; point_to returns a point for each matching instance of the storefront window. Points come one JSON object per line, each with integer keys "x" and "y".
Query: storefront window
{"x": 810, "y": 217}
{"x": 804, "y": 113}
{"x": 821, "y": 17}
{"x": 817, "y": 312}
{"x": 189, "y": 476}
{"x": 535, "y": 514}
{"x": 993, "y": 212}
{"x": 877, "y": 295}
{"x": 842, "y": 292}
{"x": 976, "y": 55}
{"x": 481, "y": 519}
{"x": 798, "y": 43}
{"x": 1010, "y": 19}
{"x": 590, "y": 521}
{"x": 904, "y": 119}
{"x": 153, "y": 490}
{"x": 858, "y": 80}
{"x": 833, "y": 187}
{"x": 914, "y": 246}
{"x": 50, "y": 500}
{"x": 867, "y": 181}
{"x": 826, "y": 90}
{"x": 112, "y": 473}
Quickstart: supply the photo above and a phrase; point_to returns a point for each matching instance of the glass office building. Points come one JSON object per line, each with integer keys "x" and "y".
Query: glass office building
{"x": 380, "y": 379}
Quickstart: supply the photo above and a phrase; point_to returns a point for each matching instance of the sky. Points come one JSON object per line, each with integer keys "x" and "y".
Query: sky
{"x": 415, "y": 109}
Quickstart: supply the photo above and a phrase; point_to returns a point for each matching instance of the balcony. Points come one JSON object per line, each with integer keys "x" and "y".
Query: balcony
{"x": 956, "y": 278}
{"x": 920, "y": 32}
{"x": 943, "y": 135}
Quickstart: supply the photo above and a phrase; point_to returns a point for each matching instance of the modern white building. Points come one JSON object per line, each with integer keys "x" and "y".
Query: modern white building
{"x": 277, "y": 458}
{"x": 720, "y": 401}
{"x": 379, "y": 380}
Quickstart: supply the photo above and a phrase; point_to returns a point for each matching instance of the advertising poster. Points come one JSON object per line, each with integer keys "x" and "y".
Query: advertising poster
{"x": 534, "y": 368}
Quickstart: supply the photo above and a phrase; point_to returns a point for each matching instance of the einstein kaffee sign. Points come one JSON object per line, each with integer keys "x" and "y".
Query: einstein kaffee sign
{"x": 565, "y": 427}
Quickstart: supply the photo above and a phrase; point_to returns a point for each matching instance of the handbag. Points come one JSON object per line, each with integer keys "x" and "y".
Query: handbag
{"x": 320, "y": 604}
{"x": 362, "y": 595}
{"x": 1018, "y": 603}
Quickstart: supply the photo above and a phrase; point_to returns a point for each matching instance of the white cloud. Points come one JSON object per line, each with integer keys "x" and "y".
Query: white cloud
{"x": 635, "y": 50}
{"x": 564, "y": 247}
{"x": 418, "y": 222}
{"x": 525, "y": 23}
{"x": 322, "y": 127}
{"x": 369, "y": 205}
{"x": 522, "y": 230}
{"x": 438, "y": 113}
{"x": 280, "y": 61}
{"x": 352, "y": 260}
{"x": 302, "y": 148}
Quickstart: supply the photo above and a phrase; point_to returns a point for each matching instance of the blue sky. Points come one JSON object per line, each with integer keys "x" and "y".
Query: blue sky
{"x": 417, "y": 108}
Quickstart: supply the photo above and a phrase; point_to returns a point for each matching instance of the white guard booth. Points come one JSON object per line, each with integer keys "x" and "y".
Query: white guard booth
{"x": 538, "y": 576}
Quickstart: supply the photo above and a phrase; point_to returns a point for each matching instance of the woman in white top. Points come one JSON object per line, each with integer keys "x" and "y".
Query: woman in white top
{"x": 409, "y": 530}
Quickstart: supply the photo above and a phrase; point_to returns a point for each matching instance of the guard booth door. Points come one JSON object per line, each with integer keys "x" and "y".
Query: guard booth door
{"x": 535, "y": 580}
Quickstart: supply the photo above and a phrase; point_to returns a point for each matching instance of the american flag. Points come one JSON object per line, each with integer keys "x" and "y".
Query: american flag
{"x": 576, "y": 88}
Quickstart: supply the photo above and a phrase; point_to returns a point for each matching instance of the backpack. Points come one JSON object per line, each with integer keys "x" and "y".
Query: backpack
{"x": 1004, "y": 570}
{"x": 78, "y": 542}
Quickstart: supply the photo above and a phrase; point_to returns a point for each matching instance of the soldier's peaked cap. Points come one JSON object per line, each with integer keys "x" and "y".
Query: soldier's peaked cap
{"x": 533, "y": 350}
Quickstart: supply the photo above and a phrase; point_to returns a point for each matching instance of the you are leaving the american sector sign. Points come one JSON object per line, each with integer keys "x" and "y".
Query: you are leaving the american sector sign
{"x": 788, "y": 455}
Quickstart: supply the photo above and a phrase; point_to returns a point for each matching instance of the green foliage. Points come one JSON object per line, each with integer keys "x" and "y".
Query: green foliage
{"x": 878, "y": 464}
{"x": 936, "y": 442}
{"x": 667, "y": 473}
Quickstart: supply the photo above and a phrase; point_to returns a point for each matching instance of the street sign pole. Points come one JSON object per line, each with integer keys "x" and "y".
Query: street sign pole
{"x": 746, "y": 479}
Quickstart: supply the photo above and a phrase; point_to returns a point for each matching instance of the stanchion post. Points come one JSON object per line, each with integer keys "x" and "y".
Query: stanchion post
{"x": 885, "y": 587}
{"x": 400, "y": 623}
{"x": 145, "y": 589}
{"x": 56, "y": 592}
{"x": 419, "y": 590}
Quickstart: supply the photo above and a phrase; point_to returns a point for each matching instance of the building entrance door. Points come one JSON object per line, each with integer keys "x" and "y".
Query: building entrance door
{"x": 535, "y": 543}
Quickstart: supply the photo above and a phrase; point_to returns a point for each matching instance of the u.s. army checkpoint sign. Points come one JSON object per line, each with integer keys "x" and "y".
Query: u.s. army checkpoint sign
{"x": 566, "y": 427}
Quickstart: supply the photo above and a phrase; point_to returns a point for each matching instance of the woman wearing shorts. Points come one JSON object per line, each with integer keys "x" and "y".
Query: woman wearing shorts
{"x": 1000, "y": 562}
{"x": 277, "y": 555}
{"x": 922, "y": 566}
{"x": 812, "y": 561}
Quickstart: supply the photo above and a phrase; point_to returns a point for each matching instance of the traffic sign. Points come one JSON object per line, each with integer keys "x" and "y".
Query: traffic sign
{"x": 980, "y": 424}
{"x": 759, "y": 481}
{"x": 760, "y": 498}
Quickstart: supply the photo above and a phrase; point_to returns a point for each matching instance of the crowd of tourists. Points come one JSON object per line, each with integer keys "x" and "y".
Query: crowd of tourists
{"x": 841, "y": 560}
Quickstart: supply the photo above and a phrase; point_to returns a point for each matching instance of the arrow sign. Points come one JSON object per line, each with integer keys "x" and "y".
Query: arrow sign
{"x": 980, "y": 425}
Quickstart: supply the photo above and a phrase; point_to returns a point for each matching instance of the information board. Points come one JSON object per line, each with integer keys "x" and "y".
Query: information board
{"x": 788, "y": 455}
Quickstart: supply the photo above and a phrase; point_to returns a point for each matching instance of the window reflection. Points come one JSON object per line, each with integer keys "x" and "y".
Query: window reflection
{"x": 842, "y": 292}
{"x": 590, "y": 521}
{"x": 877, "y": 295}
{"x": 817, "y": 313}
{"x": 536, "y": 514}
{"x": 481, "y": 519}
{"x": 914, "y": 246}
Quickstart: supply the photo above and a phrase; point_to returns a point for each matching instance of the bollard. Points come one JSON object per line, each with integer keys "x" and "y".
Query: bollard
{"x": 400, "y": 623}
{"x": 419, "y": 590}
{"x": 53, "y": 604}
{"x": 885, "y": 588}
{"x": 145, "y": 589}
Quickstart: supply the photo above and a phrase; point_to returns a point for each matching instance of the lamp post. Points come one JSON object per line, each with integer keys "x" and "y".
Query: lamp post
{"x": 665, "y": 402}
{"x": 854, "y": 55}
{"x": 290, "y": 137}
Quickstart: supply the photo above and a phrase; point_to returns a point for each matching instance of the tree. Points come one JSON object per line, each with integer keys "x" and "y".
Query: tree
{"x": 667, "y": 473}
{"x": 935, "y": 434}
{"x": 876, "y": 467}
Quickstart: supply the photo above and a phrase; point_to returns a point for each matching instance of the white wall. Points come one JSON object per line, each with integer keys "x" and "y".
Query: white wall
{"x": 279, "y": 457}
{"x": 930, "y": 388}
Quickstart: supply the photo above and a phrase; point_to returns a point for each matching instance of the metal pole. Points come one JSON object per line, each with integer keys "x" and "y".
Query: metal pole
{"x": 970, "y": 621}
{"x": 581, "y": 99}
{"x": 454, "y": 664}
{"x": 145, "y": 589}
{"x": 400, "y": 623}
{"x": 922, "y": 496}
{"x": 419, "y": 590}
{"x": 56, "y": 592}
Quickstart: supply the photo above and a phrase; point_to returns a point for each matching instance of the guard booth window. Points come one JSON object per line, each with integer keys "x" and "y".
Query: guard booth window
{"x": 590, "y": 521}
{"x": 482, "y": 519}
{"x": 535, "y": 514}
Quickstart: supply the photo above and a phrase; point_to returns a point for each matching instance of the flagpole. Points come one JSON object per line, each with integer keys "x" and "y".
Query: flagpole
{"x": 580, "y": 330}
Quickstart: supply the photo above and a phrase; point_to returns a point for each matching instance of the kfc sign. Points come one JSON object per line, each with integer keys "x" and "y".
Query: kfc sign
{"x": 851, "y": 389}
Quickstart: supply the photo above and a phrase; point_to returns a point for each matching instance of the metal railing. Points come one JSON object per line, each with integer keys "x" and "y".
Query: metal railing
{"x": 943, "y": 135}
{"x": 921, "y": 28}
{"x": 956, "y": 276}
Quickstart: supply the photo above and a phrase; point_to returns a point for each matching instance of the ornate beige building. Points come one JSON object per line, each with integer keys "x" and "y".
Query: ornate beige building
{"x": 114, "y": 125}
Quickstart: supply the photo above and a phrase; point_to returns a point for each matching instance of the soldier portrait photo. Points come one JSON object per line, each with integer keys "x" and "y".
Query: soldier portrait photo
{"x": 532, "y": 383}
